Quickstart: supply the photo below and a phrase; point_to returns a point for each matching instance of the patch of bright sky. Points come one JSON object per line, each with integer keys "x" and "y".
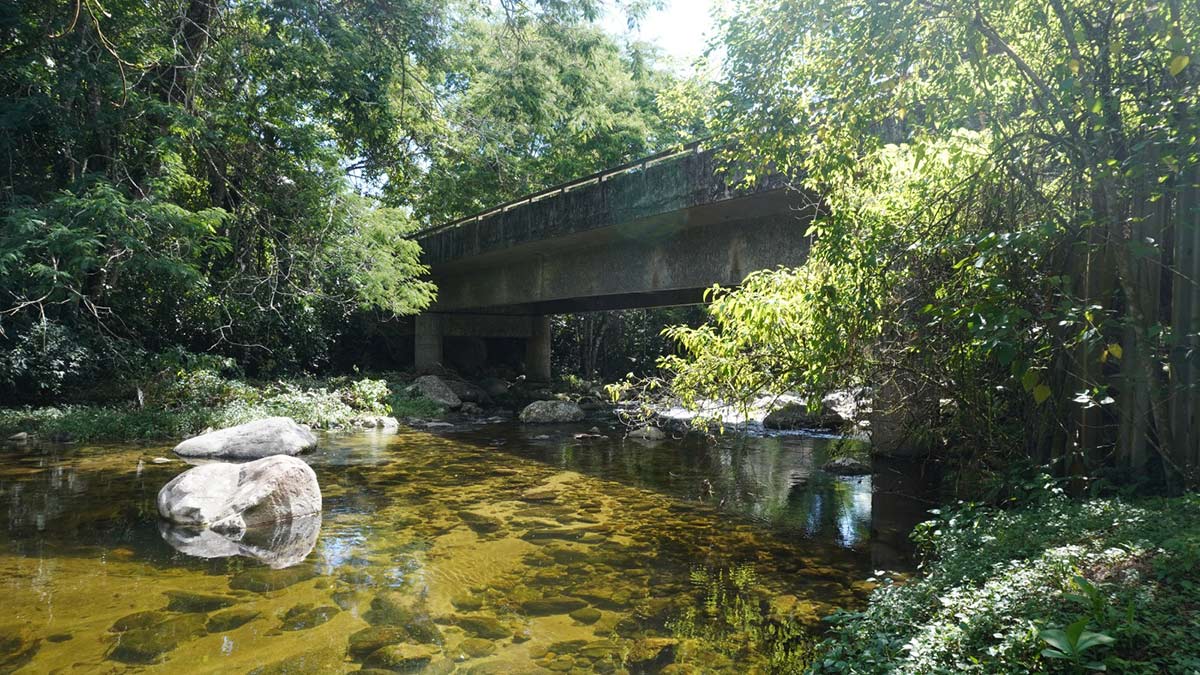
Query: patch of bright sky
{"x": 681, "y": 29}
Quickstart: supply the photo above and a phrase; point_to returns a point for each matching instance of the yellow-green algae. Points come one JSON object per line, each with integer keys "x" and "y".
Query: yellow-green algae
{"x": 440, "y": 553}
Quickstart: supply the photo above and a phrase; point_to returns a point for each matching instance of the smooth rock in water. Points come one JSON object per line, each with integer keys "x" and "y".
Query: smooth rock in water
{"x": 847, "y": 466}
{"x": 150, "y": 644}
{"x": 483, "y": 626}
{"x": 137, "y": 620}
{"x": 586, "y": 616}
{"x": 280, "y": 544}
{"x": 253, "y": 440}
{"x": 233, "y": 497}
{"x": 401, "y": 657}
{"x": 395, "y": 609}
{"x": 477, "y": 647}
{"x": 551, "y": 412}
{"x": 382, "y": 422}
{"x": 554, "y": 605}
{"x": 187, "y": 601}
{"x": 17, "y": 647}
{"x": 435, "y": 389}
{"x": 267, "y": 580}
{"x": 368, "y": 640}
{"x": 161, "y": 460}
{"x": 648, "y": 433}
{"x": 303, "y": 617}
{"x": 230, "y": 619}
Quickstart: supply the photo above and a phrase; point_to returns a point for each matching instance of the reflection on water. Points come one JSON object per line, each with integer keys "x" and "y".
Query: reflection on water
{"x": 491, "y": 549}
{"x": 277, "y": 545}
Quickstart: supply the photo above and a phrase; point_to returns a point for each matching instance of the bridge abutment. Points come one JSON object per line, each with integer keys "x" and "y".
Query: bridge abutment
{"x": 537, "y": 350}
{"x": 433, "y": 351}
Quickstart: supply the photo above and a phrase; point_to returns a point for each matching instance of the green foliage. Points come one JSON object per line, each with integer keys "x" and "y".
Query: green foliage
{"x": 532, "y": 103}
{"x": 419, "y": 407}
{"x": 1005, "y": 188}
{"x": 994, "y": 582}
{"x": 184, "y": 399}
{"x": 1070, "y": 644}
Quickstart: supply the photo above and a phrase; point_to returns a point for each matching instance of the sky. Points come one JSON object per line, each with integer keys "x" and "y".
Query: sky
{"x": 681, "y": 29}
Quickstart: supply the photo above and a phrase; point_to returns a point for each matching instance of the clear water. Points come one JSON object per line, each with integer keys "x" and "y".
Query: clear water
{"x": 494, "y": 548}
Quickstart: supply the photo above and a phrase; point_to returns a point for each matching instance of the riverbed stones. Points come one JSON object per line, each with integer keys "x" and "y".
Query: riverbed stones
{"x": 466, "y": 602}
{"x": 231, "y": 497}
{"x": 252, "y": 440}
{"x": 483, "y": 626}
{"x": 847, "y": 466}
{"x": 230, "y": 619}
{"x": 435, "y": 389}
{"x": 395, "y": 609}
{"x": 369, "y": 639}
{"x": 17, "y": 647}
{"x": 305, "y": 616}
{"x": 188, "y": 601}
{"x": 586, "y": 616}
{"x": 551, "y": 412}
{"x": 267, "y": 580}
{"x": 477, "y": 647}
{"x": 150, "y": 644}
{"x": 137, "y": 620}
{"x": 559, "y": 604}
{"x": 796, "y": 415}
{"x": 401, "y": 657}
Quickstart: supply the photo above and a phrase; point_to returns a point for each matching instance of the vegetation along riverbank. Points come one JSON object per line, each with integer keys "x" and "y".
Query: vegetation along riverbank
{"x": 615, "y": 335}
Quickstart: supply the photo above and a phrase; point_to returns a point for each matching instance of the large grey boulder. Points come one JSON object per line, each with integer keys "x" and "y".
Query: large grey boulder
{"x": 253, "y": 440}
{"x": 838, "y": 409}
{"x": 233, "y": 497}
{"x": 435, "y": 389}
{"x": 551, "y": 412}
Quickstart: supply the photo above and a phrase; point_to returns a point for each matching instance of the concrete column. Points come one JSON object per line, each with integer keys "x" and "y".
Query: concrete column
{"x": 428, "y": 356}
{"x": 537, "y": 350}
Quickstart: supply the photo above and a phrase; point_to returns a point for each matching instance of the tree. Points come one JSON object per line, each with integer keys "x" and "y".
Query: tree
{"x": 1011, "y": 230}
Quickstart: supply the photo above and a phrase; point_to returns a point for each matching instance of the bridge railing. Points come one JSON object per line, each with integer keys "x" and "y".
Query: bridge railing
{"x": 695, "y": 147}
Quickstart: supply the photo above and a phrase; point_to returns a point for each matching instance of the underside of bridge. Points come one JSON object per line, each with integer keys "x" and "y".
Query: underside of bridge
{"x": 653, "y": 236}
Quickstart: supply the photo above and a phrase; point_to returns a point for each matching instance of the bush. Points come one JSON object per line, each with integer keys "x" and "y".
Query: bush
{"x": 995, "y": 579}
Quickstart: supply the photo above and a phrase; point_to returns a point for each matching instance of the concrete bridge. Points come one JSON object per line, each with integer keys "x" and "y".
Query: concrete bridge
{"x": 652, "y": 233}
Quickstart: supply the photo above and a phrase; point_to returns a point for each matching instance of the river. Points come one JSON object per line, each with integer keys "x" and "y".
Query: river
{"x": 484, "y": 548}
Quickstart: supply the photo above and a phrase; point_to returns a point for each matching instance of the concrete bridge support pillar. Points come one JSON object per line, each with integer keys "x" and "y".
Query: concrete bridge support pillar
{"x": 428, "y": 341}
{"x": 537, "y": 350}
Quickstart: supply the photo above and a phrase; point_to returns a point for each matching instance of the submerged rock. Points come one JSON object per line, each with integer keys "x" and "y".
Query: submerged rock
{"x": 555, "y": 605}
{"x": 847, "y": 466}
{"x": 648, "y": 433}
{"x": 395, "y": 609}
{"x": 477, "y": 648}
{"x": 266, "y": 580}
{"x": 187, "y": 601}
{"x": 253, "y": 440}
{"x": 231, "y": 497}
{"x": 586, "y": 616}
{"x": 303, "y": 617}
{"x": 137, "y": 620}
{"x": 401, "y": 657}
{"x": 280, "y": 544}
{"x": 150, "y": 644}
{"x": 368, "y": 640}
{"x": 551, "y": 412}
{"x": 17, "y": 647}
{"x": 483, "y": 626}
{"x": 230, "y": 619}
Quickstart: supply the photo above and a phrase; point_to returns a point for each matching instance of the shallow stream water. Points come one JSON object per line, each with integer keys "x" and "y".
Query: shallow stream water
{"x": 484, "y": 549}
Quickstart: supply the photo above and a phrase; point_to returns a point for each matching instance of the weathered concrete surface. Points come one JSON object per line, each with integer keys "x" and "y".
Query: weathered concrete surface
{"x": 654, "y": 237}
{"x": 648, "y": 238}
